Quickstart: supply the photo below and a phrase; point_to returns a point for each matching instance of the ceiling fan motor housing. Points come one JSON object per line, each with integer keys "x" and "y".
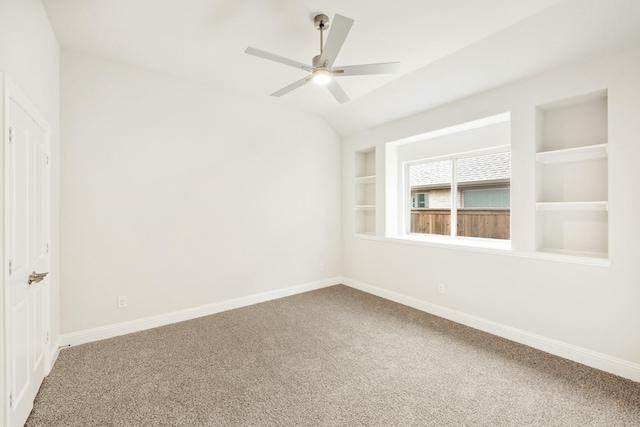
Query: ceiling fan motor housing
{"x": 321, "y": 22}
{"x": 316, "y": 62}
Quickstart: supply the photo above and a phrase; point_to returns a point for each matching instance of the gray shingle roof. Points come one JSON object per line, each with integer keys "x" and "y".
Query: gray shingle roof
{"x": 488, "y": 167}
{"x": 432, "y": 173}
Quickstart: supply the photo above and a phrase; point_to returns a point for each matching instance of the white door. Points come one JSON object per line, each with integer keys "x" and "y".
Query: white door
{"x": 26, "y": 202}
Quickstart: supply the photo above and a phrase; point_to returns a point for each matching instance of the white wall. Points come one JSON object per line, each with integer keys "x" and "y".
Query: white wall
{"x": 590, "y": 307}
{"x": 30, "y": 56}
{"x": 179, "y": 195}
{"x": 469, "y": 140}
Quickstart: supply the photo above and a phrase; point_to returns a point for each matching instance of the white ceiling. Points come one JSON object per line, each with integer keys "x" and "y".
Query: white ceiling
{"x": 204, "y": 41}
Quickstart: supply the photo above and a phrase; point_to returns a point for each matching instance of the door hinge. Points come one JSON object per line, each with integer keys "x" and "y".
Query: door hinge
{"x": 46, "y": 341}
{"x": 46, "y": 160}
{"x": 10, "y": 135}
{"x": 10, "y": 267}
{"x": 10, "y": 400}
{"x": 46, "y": 248}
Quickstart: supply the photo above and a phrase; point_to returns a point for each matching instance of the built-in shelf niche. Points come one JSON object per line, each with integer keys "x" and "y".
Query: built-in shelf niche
{"x": 580, "y": 233}
{"x": 572, "y": 176}
{"x": 584, "y": 181}
{"x": 365, "y": 192}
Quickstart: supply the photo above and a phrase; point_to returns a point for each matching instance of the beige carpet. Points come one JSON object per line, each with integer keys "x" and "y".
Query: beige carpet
{"x": 331, "y": 357}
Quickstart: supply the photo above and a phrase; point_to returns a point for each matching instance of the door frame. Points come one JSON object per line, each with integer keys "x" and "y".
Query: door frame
{"x": 8, "y": 90}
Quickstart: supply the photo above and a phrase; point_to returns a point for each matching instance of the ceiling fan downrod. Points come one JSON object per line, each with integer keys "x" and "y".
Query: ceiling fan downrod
{"x": 321, "y": 23}
{"x": 321, "y": 72}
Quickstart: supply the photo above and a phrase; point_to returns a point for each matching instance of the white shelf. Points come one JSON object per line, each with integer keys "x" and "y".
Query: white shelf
{"x": 575, "y": 254}
{"x": 571, "y": 206}
{"x": 365, "y": 207}
{"x": 590, "y": 152}
{"x": 366, "y": 179}
{"x": 366, "y": 235}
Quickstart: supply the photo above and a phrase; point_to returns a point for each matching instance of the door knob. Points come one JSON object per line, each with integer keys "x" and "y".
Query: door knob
{"x": 37, "y": 277}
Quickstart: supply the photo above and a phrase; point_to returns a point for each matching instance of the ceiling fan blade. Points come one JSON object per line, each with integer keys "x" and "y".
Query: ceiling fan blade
{"x": 292, "y": 86}
{"x": 277, "y": 58}
{"x": 360, "y": 70}
{"x": 338, "y": 93}
{"x": 337, "y": 34}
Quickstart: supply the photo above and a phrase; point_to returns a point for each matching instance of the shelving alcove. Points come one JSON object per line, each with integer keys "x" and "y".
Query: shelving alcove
{"x": 572, "y": 176}
{"x": 365, "y": 192}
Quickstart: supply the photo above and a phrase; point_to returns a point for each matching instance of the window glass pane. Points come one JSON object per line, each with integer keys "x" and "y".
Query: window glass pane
{"x": 484, "y": 196}
{"x": 431, "y": 197}
{"x": 489, "y": 167}
{"x": 430, "y": 174}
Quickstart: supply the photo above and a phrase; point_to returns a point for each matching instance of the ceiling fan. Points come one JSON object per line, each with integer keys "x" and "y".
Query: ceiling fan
{"x": 322, "y": 69}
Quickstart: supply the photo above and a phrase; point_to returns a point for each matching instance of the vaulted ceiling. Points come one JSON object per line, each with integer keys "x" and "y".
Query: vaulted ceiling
{"x": 448, "y": 48}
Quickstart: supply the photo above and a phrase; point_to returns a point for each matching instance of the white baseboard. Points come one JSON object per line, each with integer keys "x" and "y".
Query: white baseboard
{"x": 587, "y": 357}
{"x": 110, "y": 331}
{"x": 584, "y": 356}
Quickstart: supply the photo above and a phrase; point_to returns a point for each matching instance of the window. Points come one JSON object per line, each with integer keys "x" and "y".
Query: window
{"x": 451, "y": 185}
{"x": 420, "y": 200}
{"x": 488, "y": 198}
{"x": 463, "y": 194}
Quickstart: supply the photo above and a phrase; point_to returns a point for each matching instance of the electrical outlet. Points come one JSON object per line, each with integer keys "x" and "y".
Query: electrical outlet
{"x": 441, "y": 288}
{"x": 122, "y": 302}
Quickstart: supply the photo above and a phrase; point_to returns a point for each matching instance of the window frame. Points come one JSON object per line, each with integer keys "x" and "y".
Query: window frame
{"x": 407, "y": 198}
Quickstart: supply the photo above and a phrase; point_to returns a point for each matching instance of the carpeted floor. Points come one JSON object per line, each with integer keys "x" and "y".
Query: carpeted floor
{"x": 335, "y": 356}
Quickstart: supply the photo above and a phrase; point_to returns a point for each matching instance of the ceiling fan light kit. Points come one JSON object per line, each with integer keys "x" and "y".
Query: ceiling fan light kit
{"x": 322, "y": 69}
{"x": 321, "y": 77}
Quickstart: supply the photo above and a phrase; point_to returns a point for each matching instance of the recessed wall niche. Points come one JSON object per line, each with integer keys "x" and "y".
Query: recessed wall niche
{"x": 572, "y": 176}
{"x": 365, "y": 192}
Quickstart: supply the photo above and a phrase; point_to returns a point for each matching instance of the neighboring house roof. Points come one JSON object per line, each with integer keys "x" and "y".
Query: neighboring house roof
{"x": 490, "y": 167}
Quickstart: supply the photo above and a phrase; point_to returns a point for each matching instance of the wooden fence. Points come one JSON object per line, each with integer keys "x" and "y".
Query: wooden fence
{"x": 488, "y": 223}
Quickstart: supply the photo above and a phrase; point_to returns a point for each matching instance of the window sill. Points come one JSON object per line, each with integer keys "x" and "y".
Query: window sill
{"x": 454, "y": 242}
{"x": 489, "y": 246}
